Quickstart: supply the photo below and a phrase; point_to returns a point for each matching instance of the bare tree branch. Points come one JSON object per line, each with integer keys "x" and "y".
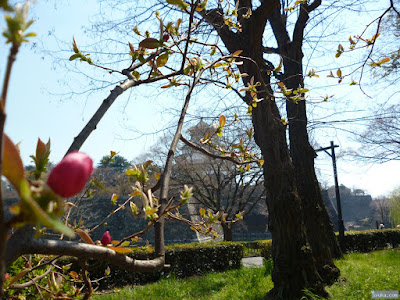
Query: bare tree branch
{"x": 30, "y": 282}
{"x": 81, "y": 251}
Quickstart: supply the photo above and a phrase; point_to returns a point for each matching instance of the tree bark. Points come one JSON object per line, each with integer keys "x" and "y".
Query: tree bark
{"x": 318, "y": 225}
{"x": 228, "y": 231}
{"x": 294, "y": 266}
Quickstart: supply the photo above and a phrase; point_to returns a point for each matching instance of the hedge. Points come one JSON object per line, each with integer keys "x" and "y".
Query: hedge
{"x": 184, "y": 260}
{"x": 354, "y": 241}
{"x": 370, "y": 240}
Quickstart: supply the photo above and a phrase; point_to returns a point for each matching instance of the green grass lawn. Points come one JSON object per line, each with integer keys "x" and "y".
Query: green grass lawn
{"x": 361, "y": 274}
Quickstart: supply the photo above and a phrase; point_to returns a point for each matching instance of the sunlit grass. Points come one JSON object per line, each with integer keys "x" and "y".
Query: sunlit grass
{"x": 246, "y": 283}
{"x": 361, "y": 274}
{"x": 366, "y": 272}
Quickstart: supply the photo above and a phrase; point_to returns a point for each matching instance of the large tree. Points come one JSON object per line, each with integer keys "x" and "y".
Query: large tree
{"x": 293, "y": 195}
{"x": 289, "y": 47}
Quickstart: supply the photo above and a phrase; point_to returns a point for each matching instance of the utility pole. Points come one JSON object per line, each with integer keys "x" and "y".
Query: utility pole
{"x": 337, "y": 192}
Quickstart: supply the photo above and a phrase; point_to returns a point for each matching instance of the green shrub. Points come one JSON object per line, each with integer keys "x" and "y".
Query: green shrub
{"x": 184, "y": 260}
{"x": 21, "y": 264}
{"x": 370, "y": 240}
{"x": 354, "y": 241}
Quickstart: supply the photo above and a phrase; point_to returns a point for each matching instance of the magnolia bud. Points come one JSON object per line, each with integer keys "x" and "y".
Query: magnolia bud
{"x": 70, "y": 175}
{"x": 6, "y": 276}
{"x": 166, "y": 37}
{"x": 106, "y": 238}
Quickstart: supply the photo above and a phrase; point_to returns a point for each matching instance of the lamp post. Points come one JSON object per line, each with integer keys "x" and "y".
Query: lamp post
{"x": 337, "y": 192}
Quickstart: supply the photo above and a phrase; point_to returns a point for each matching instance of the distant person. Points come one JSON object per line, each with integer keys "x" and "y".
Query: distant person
{"x": 377, "y": 225}
{"x": 382, "y": 226}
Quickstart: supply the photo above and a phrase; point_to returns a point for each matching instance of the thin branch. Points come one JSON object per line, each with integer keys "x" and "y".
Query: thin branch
{"x": 86, "y": 279}
{"x": 208, "y": 153}
{"x": 30, "y": 282}
{"x": 122, "y": 206}
{"x": 3, "y": 229}
{"x": 10, "y": 62}
{"x": 166, "y": 174}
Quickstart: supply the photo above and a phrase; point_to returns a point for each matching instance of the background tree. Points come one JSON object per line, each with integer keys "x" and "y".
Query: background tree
{"x": 219, "y": 185}
{"x": 381, "y": 139}
{"x": 381, "y": 208}
{"x": 394, "y": 207}
{"x": 110, "y": 177}
{"x": 116, "y": 162}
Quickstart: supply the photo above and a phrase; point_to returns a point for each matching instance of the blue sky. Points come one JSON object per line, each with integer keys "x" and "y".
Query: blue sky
{"x": 35, "y": 111}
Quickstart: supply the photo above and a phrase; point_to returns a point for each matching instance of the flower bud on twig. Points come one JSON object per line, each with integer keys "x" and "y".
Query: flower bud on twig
{"x": 70, "y": 175}
{"x": 106, "y": 238}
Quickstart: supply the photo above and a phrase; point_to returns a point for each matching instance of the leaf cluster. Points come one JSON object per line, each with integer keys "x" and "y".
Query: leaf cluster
{"x": 17, "y": 24}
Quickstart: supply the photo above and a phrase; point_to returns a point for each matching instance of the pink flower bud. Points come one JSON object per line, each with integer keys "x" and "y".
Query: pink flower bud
{"x": 70, "y": 175}
{"x": 106, "y": 238}
{"x": 6, "y": 276}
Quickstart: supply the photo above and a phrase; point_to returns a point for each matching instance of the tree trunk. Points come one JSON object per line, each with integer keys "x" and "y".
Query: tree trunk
{"x": 294, "y": 266}
{"x": 227, "y": 228}
{"x": 324, "y": 246}
{"x": 318, "y": 225}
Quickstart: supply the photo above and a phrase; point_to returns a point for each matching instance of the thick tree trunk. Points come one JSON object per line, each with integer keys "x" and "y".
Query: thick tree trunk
{"x": 295, "y": 268}
{"x": 228, "y": 230}
{"x": 318, "y": 225}
{"x": 324, "y": 246}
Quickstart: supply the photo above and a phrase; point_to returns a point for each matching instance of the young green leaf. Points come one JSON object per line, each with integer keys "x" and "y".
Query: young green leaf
{"x": 237, "y": 52}
{"x": 136, "y": 74}
{"x": 13, "y": 168}
{"x": 162, "y": 60}
{"x": 121, "y": 250}
{"x": 150, "y": 43}
{"x": 222, "y": 121}
{"x": 84, "y": 236}
{"x": 114, "y": 199}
